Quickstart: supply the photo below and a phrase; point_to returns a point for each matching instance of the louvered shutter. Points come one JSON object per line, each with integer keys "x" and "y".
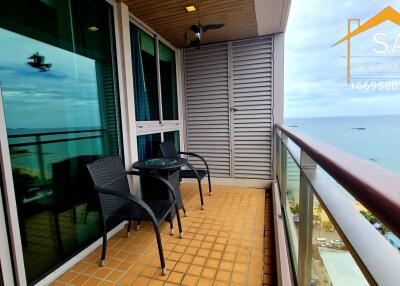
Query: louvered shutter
{"x": 207, "y": 107}
{"x": 252, "y": 108}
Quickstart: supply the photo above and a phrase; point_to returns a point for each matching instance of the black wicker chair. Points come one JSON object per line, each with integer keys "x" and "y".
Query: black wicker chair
{"x": 168, "y": 150}
{"x": 116, "y": 201}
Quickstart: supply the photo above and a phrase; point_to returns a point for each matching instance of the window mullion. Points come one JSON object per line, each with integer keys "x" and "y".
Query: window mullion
{"x": 159, "y": 81}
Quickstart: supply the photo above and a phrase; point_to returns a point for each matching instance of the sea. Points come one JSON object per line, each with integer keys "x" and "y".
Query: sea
{"x": 373, "y": 138}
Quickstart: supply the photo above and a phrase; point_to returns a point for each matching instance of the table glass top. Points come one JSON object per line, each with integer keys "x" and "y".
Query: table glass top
{"x": 160, "y": 162}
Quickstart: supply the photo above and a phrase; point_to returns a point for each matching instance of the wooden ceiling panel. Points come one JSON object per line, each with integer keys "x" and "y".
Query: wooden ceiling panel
{"x": 170, "y": 19}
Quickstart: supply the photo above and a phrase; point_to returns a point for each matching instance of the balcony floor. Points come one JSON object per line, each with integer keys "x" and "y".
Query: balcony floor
{"x": 222, "y": 245}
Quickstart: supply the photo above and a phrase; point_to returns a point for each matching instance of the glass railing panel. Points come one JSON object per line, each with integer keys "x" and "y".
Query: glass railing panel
{"x": 292, "y": 207}
{"x": 331, "y": 262}
{"x": 373, "y": 220}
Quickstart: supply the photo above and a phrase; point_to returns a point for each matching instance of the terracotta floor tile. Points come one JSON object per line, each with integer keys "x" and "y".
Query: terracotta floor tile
{"x": 103, "y": 272}
{"x": 175, "y": 277}
{"x": 149, "y": 271}
{"x": 181, "y": 267}
{"x": 67, "y": 277}
{"x": 220, "y": 283}
{"x": 92, "y": 281}
{"x": 186, "y": 258}
{"x": 208, "y": 272}
{"x": 106, "y": 283}
{"x": 79, "y": 280}
{"x": 223, "y": 276}
{"x": 195, "y": 270}
{"x": 216, "y": 248}
{"x": 155, "y": 283}
{"x": 141, "y": 281}
{"x": 115, "y": 276}
{"x": 199, "y": 261}
{"x": 189, "y": 280}
{"x": 225, "y": 265}
{"x": 204, "y": 282}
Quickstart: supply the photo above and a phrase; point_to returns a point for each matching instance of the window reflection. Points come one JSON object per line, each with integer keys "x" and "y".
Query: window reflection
{"x": 168, "y": 83}
{"x": 61, "y": 108}
{"x": 149, "y": 146}
{"x": 144, "y": 75}
{"x": 173, "y": 136}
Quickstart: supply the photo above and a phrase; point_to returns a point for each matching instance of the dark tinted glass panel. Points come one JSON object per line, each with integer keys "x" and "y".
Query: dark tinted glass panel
{"x": 168, "y": 83}
{"x": 61, "y": 105}
{"x": 173, "y": 136}
{"x": 149, "y": 146}
{"x": 144, "y": 75}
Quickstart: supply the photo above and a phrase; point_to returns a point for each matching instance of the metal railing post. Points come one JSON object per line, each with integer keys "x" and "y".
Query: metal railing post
{"x": 305, "y": 223}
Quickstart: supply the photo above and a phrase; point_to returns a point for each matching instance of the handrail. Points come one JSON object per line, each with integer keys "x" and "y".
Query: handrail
{"x": 54, "y": 141}
{"x": 54, "y": 133}
{"x": 376, "y": 188}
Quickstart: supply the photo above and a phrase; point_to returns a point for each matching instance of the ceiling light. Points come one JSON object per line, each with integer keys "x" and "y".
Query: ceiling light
{"x": 190, "y": 8}
{"x": 93, "y": 29}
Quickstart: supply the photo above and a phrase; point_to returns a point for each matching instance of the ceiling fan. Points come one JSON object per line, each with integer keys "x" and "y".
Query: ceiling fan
{"x": 194, "y": 34}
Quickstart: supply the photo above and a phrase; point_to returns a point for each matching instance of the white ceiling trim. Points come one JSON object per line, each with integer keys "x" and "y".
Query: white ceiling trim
{"x": 271, "y": 15}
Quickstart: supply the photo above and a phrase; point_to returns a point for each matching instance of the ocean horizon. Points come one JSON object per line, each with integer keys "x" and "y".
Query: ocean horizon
{"x": 374, "y": 138}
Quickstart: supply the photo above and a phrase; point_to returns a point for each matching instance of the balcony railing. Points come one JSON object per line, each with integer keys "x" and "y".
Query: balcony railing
{"x": 35, "y": 142}
{"x": 326, "y": 196}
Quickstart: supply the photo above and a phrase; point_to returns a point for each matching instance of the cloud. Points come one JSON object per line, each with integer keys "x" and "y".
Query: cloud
{"x": 315, "y": 72}
{"x": 65, "y": 96}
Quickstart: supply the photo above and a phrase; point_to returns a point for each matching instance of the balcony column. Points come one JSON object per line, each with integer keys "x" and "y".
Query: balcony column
{"x": 126, "y": 88}
{"x": 306, "y": 222}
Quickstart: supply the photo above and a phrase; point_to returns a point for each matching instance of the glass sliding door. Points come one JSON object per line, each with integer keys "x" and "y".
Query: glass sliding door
{"x": 61, "y": 105}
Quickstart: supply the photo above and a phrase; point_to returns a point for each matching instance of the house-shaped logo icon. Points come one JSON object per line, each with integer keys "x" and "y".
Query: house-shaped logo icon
{"x": 387, "y": 14}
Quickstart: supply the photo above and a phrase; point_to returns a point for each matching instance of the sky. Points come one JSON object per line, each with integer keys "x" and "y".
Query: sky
{"x": 315, "y": 72}
{"x": 64, "y": 96}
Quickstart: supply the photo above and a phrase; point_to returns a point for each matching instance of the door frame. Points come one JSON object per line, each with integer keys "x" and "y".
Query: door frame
{"x": 6, "y": 267}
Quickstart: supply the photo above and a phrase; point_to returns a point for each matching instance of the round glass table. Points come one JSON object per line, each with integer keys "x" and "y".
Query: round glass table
{"x": 168, "y": 168}
{"x": 155, "y": 164}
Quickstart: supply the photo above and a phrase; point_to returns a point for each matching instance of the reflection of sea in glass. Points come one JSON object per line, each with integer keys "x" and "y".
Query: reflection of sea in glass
{"x": 61, "y": 113}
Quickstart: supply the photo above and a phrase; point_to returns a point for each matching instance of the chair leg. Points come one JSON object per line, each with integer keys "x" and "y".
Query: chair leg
{"x": 201, "y": 193}
{"x": 184, "y": 211}
{"x": 178, "y": 217}
{"x": 171, "y": 227}
{"x": 160, "y": 248}
{"x": 138, "y": 225}
{"x": 104, "y": 246}
{"x": 128, "y": 232}
{"x": 209, "y": 185}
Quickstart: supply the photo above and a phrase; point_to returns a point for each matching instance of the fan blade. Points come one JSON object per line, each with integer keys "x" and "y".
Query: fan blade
{"x": 195, "y": 43}
{"x": 186, "y": 39}
{"x": 195, "y": 28}
{"x": 212, "y": 26}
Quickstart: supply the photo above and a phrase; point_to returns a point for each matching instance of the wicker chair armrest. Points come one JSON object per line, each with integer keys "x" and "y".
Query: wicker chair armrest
{"x": 198, "y": 156}
{"x": 159, "y": 178}
{"x": 132, "y": 199}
